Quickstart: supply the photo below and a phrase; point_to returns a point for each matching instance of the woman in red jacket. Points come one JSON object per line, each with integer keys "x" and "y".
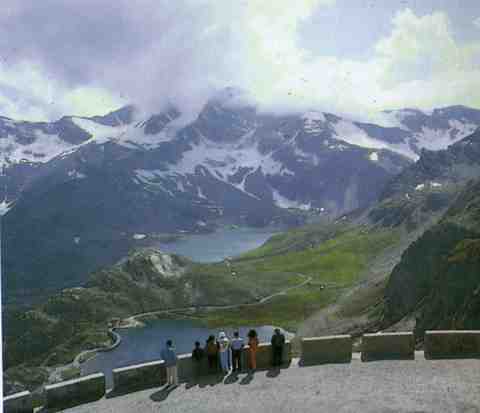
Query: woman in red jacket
{"x": 253, "y": 344}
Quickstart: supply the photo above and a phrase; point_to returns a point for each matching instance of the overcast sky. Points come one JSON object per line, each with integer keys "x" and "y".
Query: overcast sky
{"x": 87, "y": 57}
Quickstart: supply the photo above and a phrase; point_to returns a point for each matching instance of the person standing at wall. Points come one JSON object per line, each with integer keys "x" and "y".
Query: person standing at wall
{"x": 278, "y": 342}
{"x": 170, "y": 358}
{"x": 211, "y": 348}
{"x": 253, "y": 344}
{"x": 197, "y": 358}
{"x": 224, "y": 349}
{"x": 237, "y": 347}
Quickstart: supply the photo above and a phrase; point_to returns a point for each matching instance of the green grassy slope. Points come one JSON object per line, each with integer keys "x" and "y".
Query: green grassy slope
{"x": 333, "y": 266}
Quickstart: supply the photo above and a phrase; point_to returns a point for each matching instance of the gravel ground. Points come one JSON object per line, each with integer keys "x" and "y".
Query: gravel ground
{"x": 383, "y": 386}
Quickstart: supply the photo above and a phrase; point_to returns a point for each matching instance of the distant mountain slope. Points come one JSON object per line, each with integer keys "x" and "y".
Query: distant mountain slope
{"x": 438, "y": 279}
{"x": 425, "y": 189}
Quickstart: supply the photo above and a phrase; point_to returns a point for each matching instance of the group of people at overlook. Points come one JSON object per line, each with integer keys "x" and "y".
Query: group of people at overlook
{"x": 223, "y": 354}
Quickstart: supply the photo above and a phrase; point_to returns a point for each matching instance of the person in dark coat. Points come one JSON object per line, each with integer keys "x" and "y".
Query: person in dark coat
{"x": 278, "y": 342}
{"x": 197, "y": 357}
{"x": 211, "y": 349}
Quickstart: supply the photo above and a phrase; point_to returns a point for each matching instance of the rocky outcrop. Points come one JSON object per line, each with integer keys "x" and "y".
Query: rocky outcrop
{"x": 438, "y": 277}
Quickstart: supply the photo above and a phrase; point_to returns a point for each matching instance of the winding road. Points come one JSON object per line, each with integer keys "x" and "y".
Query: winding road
{"x": 134, "y": 318}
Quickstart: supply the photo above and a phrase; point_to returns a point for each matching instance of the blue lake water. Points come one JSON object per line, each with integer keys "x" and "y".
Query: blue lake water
{"x": 225, "y": 242}
{"x": 144, "y": 344}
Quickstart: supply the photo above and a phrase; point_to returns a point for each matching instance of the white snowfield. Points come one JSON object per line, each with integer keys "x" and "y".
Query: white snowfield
{"x": 43, "y": 149}
{"x": 130, "y": 136}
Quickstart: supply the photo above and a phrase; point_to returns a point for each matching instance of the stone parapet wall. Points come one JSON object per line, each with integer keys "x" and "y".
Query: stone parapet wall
{"x": 265, "y": 355}
{"x": 139, "y": 376}
{"x": 75, "y": 392}
{"x": 315, "y": 350}
{"x": 330, "y": 349}
{"x": 452, "y": 344}
{"x": 18, "y": 403}
{"x": 384, "y": 346}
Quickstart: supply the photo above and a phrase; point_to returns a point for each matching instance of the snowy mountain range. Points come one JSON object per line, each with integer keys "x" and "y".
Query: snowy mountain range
{"x": 82, "y": 189}
{"x": 229, "y": 144}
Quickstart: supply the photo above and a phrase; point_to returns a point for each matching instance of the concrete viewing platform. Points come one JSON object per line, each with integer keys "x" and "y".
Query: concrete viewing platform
{"x": 387, "y": 376}
{"x": 416, "y": 385}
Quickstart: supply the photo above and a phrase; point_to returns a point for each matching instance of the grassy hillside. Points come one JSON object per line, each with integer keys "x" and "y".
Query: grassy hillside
{"x": 333, "y": 259}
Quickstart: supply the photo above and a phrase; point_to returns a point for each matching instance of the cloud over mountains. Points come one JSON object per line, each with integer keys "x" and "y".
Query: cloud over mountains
{"x": 90, "y": 56}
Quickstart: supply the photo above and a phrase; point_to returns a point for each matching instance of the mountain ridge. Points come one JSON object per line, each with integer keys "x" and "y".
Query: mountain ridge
{"x": 128, "y": 176}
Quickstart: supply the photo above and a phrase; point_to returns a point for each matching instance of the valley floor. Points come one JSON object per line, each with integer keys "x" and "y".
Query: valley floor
{"x": 383, "y": 386}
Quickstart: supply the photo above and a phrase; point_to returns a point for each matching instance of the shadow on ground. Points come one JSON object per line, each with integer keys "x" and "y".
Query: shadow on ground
{"x": 163, "y": 393}
{"x": 273, "y": 372}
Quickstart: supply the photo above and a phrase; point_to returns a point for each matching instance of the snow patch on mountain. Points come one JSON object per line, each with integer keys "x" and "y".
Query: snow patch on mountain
{"x": 130, "y": 136}
{"x": 284, "y": 202}
{"x": 76, "y": 175}
{"x": 139, "y": 237}
{"x": 437, "y": 139}
{"x": 44, "y": 148}
{"x": 430, "y": 184}
{"x": 200, "y": 193}
{"x": 152, "y": 180}
{"x": 352, "y": 134}
{"x": 5, "y": 207}
{"x": 385, "y": 119}
{"x": 223, "y": 160}
{"x": 373, "y": 157}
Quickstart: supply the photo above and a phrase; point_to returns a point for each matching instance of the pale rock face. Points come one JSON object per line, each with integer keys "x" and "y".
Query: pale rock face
{"x": 165, "y": 266}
